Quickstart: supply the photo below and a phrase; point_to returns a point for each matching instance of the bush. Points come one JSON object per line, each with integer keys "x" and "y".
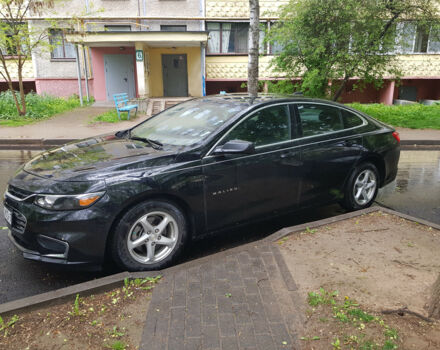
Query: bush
{"x": 37, "y": 107}
{"x": 414, "y": 116}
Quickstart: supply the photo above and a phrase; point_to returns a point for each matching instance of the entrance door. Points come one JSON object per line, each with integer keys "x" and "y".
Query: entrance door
{"x": 175, "y": 75}
{"x": 119, "y": 75}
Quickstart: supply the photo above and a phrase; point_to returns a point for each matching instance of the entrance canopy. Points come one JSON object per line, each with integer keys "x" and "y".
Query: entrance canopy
{"x": 151, "y": 39}
{"x": 157, "y": 64}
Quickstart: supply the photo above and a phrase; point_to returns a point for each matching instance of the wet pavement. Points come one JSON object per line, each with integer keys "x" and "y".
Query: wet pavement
{"x": 416, "y": 192}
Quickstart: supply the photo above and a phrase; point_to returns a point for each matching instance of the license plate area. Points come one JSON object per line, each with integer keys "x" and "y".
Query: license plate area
{"x": 8, "y": 215}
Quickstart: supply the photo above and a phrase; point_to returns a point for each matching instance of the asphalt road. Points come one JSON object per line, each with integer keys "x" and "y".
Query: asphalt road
{"x": 416, "y": 191}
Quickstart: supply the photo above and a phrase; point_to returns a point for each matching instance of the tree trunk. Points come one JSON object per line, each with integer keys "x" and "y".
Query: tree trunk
{"x": 22, "y": 110}
{"x": 254, "y": 39}
{"x": 434, "y": 304}
{"x": 341, "y": 89}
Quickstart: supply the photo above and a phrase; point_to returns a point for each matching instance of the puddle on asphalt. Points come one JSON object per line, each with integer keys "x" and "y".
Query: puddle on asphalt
{"x": 416, "y": 190}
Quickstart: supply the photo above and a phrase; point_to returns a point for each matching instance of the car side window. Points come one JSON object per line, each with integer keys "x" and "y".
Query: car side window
{"x": 267, "y": 126}
{"x": 350, "y": 120}
{"x": 319, "y": 119}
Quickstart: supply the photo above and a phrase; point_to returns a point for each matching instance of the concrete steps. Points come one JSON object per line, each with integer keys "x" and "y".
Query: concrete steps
{"x": 153, "y": 106}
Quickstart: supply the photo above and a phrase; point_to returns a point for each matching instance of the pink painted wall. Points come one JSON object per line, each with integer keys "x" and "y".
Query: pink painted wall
{"x": 98, "y": 53}
{"x": 387, "y": 93}
{"x": 61, "y": 87}
{"x": 368, "y": 95}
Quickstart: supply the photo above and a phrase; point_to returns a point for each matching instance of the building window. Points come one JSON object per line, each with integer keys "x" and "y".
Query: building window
{"x": 422, "y": 38}
{"x": 10, "y": 48}
{"x": 434, "y": 40}
{"x": 411, "y": 38}
{"x": 228, "y": 38}
{"x": 61, "y": 48}
{"x": 173, "y": 28}
{"x": 117, "y": 28}
{"x": 276, "y": 48}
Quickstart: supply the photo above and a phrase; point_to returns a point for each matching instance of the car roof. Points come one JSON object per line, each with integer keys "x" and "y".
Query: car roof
{"x": 245, "y": 101}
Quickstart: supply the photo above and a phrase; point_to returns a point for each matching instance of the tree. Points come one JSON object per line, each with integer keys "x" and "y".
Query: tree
{"x": 18, "y": 39}
{"x": 254, "y": 39}
{"x": 332, "y": 41}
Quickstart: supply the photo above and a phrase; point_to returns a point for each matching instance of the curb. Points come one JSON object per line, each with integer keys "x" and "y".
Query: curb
{"x": 36, "y": 144}
{"x": 420, "y": 142}
{"x": 107, "y": 283}
{"x": 59, "y": 295}
{"x": 32, "y": 144}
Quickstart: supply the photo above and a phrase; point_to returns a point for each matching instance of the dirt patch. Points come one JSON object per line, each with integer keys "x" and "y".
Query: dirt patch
{"x": 380, "y": 260}
{"x": 111, "y": 320}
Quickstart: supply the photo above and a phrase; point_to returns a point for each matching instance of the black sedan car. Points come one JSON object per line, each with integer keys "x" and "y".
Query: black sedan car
{"x": 205, "y": 165}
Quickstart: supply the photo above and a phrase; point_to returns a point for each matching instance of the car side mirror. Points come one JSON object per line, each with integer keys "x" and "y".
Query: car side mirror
{"x": 235, "y": 146}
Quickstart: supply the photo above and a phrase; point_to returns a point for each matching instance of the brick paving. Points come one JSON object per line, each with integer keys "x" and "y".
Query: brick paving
{"x": 233, "y": 300}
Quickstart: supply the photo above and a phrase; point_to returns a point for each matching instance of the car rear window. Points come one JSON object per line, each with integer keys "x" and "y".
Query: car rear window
{"x": 351, "y": 120}
{"x": 319, "y": 119}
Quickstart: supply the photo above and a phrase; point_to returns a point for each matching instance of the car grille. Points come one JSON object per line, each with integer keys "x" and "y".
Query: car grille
{"x": 19, "y": 222}
{"x": 18, "y": 192}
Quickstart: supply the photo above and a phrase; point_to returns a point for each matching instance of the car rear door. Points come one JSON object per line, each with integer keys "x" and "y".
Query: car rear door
{"x": 241, "y": 187}
{"x": 330, "y": 146}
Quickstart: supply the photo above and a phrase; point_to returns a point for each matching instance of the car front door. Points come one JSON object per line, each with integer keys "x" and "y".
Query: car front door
{"x": 239, "y": 187}
{"x": 330, "y": 146}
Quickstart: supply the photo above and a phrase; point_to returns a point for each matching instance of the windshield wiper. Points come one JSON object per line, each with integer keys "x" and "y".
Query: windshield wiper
{"x": 153, "y": 143}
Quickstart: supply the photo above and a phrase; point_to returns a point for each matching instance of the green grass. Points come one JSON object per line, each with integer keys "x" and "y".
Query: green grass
{"x": 112, "y": 117}
{"x": 415, "y": 116}
{"x": 38, "y": 107}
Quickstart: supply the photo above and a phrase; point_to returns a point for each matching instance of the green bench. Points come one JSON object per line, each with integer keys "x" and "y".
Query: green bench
{"x": 121, "y": 102}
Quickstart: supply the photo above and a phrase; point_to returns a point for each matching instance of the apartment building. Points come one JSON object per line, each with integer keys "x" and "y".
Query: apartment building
{"x": 171, "y": 48}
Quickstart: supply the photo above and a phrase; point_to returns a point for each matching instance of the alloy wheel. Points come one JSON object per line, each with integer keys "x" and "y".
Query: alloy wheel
{"x": 365, "y": 187}
{"x": 152, "y": 237}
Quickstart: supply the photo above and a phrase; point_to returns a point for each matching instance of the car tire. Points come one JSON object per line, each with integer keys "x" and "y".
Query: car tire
{"x": 361, "y": 188}
{"x": 150, "y": 236}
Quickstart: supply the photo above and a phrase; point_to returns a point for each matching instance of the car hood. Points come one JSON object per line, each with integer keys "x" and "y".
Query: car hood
{"x": 92, "y": 158}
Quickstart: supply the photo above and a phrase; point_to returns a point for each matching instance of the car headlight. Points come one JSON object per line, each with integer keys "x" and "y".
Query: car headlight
{"x": 67, "y": 202}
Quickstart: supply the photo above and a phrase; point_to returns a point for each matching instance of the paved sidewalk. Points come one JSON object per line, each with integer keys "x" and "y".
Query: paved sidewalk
{"x": 74, "y": 124}
{"x": 241, "y": 300}
{"x": 419, "y": 134}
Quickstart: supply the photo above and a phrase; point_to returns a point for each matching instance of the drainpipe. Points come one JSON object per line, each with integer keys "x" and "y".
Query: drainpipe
{"x": 78, "y": 70}
{"x": 86, "y": 71}
{"x": 144, "y": 12}
{"x": 203, "y": 63}
{"x": 203, "y": 48}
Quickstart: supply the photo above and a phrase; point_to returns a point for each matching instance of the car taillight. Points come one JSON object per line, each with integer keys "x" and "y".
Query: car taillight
{"x": 396, "y": 136}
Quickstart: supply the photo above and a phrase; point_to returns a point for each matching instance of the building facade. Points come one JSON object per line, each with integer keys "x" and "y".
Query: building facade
{"x": 173, "y": 48}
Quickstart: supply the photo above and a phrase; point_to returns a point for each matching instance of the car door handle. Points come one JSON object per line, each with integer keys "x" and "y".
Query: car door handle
{"x": 288, "y": 155}
{"x": 291, "y": 159}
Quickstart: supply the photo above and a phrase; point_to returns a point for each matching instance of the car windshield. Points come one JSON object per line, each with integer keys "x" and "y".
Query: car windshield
{"x": 186, "y": 124}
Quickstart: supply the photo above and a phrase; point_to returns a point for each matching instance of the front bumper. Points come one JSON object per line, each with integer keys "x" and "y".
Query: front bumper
{"x": 61, "y": 237}
{"x": 58, "y": 258}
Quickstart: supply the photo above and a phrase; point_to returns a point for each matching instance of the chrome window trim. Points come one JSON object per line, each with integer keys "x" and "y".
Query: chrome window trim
{"x": 253, "y": 155}
{"x": 284, "y": 149}
{"x": 364, "y": 122}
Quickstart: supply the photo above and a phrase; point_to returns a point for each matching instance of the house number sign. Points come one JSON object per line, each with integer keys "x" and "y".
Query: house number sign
{"x": 139, "y": 55}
